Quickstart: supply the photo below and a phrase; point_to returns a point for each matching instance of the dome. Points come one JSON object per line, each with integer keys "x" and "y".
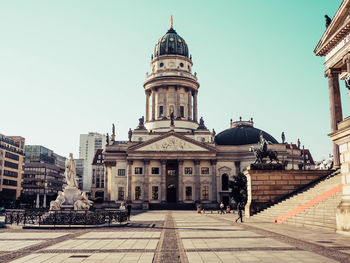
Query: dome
{"x": 171, "y": 44}
{"x": 241, "y": 135}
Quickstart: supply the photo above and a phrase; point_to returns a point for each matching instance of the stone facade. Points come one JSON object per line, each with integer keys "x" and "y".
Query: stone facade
{"x": 265, "y": 188}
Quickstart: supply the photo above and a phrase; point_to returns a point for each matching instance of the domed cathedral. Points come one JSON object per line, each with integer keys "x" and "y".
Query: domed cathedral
{"x": 172, "y": 160}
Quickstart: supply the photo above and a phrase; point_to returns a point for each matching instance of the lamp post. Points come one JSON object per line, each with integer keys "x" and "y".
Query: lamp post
{"x": 291, "y": 146}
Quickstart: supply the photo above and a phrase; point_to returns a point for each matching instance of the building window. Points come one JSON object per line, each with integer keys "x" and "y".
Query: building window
{"x": 98, "y": 181}
{"x": 120, "y": 193}
{"x": 188, "y": 193}
{"x": 224, "y": 182}
{"x": 10, "y": 173}
{"x": 172, "y": 172}
{"x": 182, "y": 111}
{"x": 204, "y": 170}
{"x": 137, "y": 193}
{"x": 160, "y": 111}
{"x": 155, "y": 170}
{"x": 154, "y": 192}
{"x": 11, "y": 156}
{"x": 11, "y": 165}
{"x": 188, "y": 170}
{"x": 121, "y": 172}
{"x": 205, "y": 192}
{"x": 9, "y": 182}
{"x": 138, "y": 170}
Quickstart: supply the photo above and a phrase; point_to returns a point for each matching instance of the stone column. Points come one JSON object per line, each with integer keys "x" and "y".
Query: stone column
{"x": 147, "y": 105}
{"x": 335, "y": 107}
{"x": 178, "y": 104}
{"x": 146, "y": 181}
{"x": 109, "y": 185}
{"x": 213, "y": 181}
{"x": 197, "y": 185}
{"x": 37, "y": 203}
{"x": 180, "y": 181}
{"x": 163, "y": 181}
{"x": 153, "y": 104}
{"x": 238, "y": 167}
{"x": 195, "y": 117}
{"x": 189, "y": 105}
{"x": 129, "y": 180}
{"x": 165, "y": 108}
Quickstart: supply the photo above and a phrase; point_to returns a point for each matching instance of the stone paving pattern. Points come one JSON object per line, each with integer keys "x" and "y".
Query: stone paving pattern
{"x": 176, "y": 236}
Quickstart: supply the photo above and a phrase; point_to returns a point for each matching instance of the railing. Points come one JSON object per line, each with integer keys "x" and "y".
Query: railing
{"x": 36, "y": 217}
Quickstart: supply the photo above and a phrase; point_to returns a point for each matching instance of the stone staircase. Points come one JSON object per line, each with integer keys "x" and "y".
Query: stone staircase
{"x": 305, "y": 208}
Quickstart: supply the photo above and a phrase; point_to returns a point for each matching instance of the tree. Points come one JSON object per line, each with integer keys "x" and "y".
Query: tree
{"x": 239, "y": 188}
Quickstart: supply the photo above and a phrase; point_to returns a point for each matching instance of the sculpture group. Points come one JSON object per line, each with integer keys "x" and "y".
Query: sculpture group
{"x": 71, "y": 197}
{"x": 262, "y": 152}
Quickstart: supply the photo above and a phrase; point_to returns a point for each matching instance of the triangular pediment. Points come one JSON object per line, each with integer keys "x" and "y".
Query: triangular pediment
{"x": 172, "y": 143}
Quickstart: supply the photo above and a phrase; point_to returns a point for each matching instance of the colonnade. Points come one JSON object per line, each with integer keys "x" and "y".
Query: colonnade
{"x": 146, "y": 196}
{"x": 192, "y": 112}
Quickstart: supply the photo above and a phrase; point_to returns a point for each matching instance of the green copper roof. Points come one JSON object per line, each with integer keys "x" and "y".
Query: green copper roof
{"x": 171, "y": 43}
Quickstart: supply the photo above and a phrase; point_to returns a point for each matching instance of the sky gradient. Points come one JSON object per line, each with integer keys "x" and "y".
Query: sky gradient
{"x": 71, "y": 67}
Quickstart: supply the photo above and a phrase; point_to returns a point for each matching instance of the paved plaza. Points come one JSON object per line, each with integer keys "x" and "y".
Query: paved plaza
{"x": 176, "y": 236}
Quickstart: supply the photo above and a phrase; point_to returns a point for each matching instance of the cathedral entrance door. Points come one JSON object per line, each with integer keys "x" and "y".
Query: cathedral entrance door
{"x": 171, "y": 181}
{"x": 171, "y": 193}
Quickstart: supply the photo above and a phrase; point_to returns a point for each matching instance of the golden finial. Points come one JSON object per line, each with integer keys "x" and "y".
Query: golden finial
{"x": 171, "y": 21}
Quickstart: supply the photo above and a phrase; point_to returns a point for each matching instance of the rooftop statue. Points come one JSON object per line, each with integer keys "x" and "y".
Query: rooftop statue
{"x": 201, "y": 124}
{"x": 130, "y": 134}
{"x": 172, "y": 118}
{"x": 283, "y": 138}
{"x": 328, "y": 20}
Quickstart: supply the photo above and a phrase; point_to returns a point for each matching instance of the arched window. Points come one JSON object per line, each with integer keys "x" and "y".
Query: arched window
{"x": 224, "y": 182}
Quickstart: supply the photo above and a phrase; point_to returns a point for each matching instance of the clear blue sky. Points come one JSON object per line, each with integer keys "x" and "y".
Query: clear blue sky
{"x": 70, "y": 67}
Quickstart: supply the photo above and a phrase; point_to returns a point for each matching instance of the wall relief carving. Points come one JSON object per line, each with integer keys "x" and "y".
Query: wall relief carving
{"x": 172, "y": 144}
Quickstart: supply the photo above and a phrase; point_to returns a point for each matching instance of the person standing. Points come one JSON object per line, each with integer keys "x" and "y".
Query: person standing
{"x": 128, "y": 207}
{"x": 222, "y": 206}
{"x": 240, "y": 208}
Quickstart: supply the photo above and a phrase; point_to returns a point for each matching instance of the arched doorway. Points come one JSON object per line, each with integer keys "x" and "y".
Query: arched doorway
{"x": 171, "y": 193}
{"x": 224, "y": 182}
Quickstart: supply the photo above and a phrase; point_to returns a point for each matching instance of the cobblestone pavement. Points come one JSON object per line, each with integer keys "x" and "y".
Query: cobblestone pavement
{"x": 176, "y": 236}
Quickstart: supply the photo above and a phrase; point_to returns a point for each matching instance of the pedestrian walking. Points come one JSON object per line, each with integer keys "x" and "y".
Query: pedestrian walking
{"x": 222, "y": 206}
{"x": 128, "y": 207}
{"x": 240, "y": 208}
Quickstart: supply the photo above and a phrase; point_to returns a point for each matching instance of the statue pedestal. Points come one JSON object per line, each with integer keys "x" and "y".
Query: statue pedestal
{"x": 71, "y": 195}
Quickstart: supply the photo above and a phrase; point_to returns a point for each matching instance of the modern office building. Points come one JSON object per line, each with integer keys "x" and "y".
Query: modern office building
{"x": 43, "y": 175}
{"x": 89, "y": 144}
{"x": 11, "y": 166}
{"x": 80, "y": 172}
{"x": 98, "y": 176}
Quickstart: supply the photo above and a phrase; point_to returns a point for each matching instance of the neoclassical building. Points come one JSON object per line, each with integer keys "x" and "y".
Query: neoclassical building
{"x": 171, "y": 158}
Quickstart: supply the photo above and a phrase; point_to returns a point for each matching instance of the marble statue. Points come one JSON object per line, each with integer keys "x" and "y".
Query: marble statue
{"x": 71, "y": 197}
{"x": 56, "y": 205}
{"x": 82, "y": 203}
{"x": 70, "y": 172}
